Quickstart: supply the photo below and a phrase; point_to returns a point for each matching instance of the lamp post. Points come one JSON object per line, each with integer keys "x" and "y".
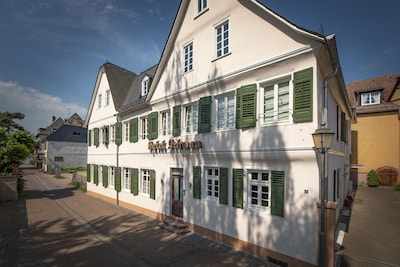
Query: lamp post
{"x": 323, "y": 138}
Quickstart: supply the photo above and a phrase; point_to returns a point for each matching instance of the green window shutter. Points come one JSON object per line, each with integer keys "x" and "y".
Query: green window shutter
{"x": 134, "y": 130}
{"x": 105, "y": 176}
{"x": 152, "y": 126}
{"x": 88, "y": 172}
{"x": 302, "y": 96}
{"x": 152, "y": 184}
{"x": 96, "y": 175}
{"x": 343, "y": 128}
{"x": 135, "y": 181}
{"x": 96, "y": 136}
{"x": 277, "y": 193}
{"x": 117, "y": 183}
{"x": 176, "y": 121}
{"x": 204, "y": 122}
{"x": 118, "y": 133}
{"x": 89, "y": 137}
{"x": 246, "y": 106}
{"x": 197, "y": 182}
{"x": 237, "y": 188}
{"x": 223, "y": 185}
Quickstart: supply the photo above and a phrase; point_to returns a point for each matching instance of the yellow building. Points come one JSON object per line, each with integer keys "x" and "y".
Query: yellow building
{"x": 376, "y": 130}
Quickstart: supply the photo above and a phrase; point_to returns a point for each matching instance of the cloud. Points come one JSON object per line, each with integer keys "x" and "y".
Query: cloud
{"x": 37, "y": 106}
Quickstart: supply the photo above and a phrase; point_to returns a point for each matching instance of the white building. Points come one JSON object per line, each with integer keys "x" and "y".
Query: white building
{"x": 219, "y": 133}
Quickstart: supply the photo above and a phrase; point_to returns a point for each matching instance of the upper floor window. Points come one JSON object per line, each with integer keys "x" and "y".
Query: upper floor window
{"x": 108, "y": 94}
{"x": 166, "y": 123}
{"x": 99, "y": 100}
{"x": 276, "y": 101}
{"x": 143, "y": 126}
{"x": 188, "y": 57}
{"x": 201, "y": 5}
{"x": 191, "y": 118}
{"x": 225, "y": 106}
{"x": 370, "y": 98}
{"x": 145, "y": 86}
{"x": 222, "y": 39}
{"x": 112, "y": 133}
{"x": 126, "y": 127}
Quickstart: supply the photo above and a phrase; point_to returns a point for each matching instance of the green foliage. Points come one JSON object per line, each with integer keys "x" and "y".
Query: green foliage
{"x": 372, "y": 178}
{"x": 396, "y": 186}
{"x": 8, "y": 123}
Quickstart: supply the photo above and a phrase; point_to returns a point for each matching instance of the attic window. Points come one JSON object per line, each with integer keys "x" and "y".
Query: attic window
{"x": 201, "y": 6}
{"x": 145, "y": 86}
{"x": 76, "y": 133}
{"x": 370, "y": 98}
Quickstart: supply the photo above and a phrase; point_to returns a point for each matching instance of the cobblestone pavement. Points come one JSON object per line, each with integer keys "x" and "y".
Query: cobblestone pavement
{"x": 55, "y": 225}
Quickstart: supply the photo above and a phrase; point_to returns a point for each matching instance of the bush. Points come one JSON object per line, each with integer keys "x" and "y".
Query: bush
{"x": 372, "y": 179}
{"x": 396, "y": 186}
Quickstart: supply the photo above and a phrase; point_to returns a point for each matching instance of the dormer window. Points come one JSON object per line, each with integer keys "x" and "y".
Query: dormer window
{"x": 370, "y": 98}
{"x": 145, "y": 86}
{"x": 201, "y": 6}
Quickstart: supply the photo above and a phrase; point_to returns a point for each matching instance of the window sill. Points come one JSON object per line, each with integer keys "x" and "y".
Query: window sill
{"x": 201, "y": 13}
{"x": 220, "y": 57}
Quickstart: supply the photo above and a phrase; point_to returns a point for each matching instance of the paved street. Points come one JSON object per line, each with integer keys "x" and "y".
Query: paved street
{"x": 373, "y": 237}
{"x": 59, "y": 226}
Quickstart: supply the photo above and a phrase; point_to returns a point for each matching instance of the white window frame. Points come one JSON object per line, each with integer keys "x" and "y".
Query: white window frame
{"x": 275, "y": 83}
{"x": 108, "y": 94}
{"x": 202, "y": 6}
{"x": 368, "y": 98}
{"x": 111, "y": 176}
{"x": 112, "y": 134}
{"x": 144, "y": 183}
{"x": 166, "y": 123}
{"x": 126, "y": 179}
{"x": 188, "y": 57}
{"x": 191, "y": 116}
{"x": 145, "y": 85}
{"x": 221, "y": 125}
{"x": 212, "y": 183}
{"x": 126, "y": 132}
{"x": 99, "y": 98}
{"x": 259, "y": 183}
{"x": 222, "y": 44}
{"x": 143, "y": 127}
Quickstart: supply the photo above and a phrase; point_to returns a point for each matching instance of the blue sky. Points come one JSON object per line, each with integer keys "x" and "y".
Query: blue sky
{"x": 51, "y": 50}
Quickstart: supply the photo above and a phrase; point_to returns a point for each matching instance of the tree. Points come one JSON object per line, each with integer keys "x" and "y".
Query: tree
{"x": 8, "y": 123}
{"x": 14, "y": 148}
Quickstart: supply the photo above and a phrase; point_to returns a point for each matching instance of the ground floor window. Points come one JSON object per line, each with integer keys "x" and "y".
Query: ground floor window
{"x": 212, "y": 180}
{"x": 111, "y": 177}
{"x": 259, "y": 188}
{"x": 126, "y": 183}
{"x": 145, "y": 182}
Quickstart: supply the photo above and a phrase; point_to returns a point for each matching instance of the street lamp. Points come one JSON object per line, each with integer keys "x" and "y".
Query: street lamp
{"x": 323, "y": 138}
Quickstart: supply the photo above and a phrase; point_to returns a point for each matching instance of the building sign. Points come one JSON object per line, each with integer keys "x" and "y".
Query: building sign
{"x": 173, "y": 145}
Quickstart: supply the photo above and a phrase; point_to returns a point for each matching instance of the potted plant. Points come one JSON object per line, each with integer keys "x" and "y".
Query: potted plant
{"x": 373, "y": 178}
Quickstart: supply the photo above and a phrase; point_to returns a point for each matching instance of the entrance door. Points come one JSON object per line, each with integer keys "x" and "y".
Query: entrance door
{"x": 177, "y": 192}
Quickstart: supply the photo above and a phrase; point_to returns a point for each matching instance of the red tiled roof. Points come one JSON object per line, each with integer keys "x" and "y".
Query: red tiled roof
{"x": 386, "y": 84}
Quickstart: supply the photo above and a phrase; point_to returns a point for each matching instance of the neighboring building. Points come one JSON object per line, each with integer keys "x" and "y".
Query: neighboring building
{"x": 66, "y": 148}
{"x": 43, "y": 133}
{"x": 376, "y": 132}
{"x": 219, "y": 133}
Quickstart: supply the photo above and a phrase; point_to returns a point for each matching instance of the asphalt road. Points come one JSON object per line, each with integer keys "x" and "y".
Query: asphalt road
{"x": 56, "y": 225}
{"x": 373, "y": 237}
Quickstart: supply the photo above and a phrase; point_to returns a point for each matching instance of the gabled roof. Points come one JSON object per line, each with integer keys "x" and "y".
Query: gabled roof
{"x": 120, "y": 81}
{"x": 386, "y": 84}
{"x": 69, "y": 133}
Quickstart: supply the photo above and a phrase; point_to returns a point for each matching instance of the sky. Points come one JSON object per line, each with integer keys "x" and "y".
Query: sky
{"x": 51, "y": 50}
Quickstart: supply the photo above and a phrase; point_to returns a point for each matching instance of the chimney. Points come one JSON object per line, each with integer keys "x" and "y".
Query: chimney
{"x": 54, "y": 118}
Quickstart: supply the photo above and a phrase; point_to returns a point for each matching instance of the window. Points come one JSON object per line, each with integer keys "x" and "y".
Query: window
{"x": 126, "y": 127}
{"x": 111, "y": 177}
{"x": 112, "y": 133}
{"x": 225, "y": 106}
{"x": 222, "y": 39}
{"x": 191, "y": 118}
{"x": 201, "y": 5}
{"x": 166, "y": 123}
{"x": 59, "y": 159}
{"x": 99, "y": 101}
{"x": 212, "y": 180}
{"x": 188, "y": 57}
{"x": 145, "y": 86}
{"x": 259, "y": 184}
{"x": 145, "y": 182}
{"x": 370, "y": 98}
{"x": 126, "y": 183}
{"x": 276, "y": 102}
{"x": 108, "y": 93}
{"x": 143, "y": 122}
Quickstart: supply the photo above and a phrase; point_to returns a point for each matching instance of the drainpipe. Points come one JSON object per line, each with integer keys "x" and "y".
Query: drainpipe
{"x": 324, "y": 124}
